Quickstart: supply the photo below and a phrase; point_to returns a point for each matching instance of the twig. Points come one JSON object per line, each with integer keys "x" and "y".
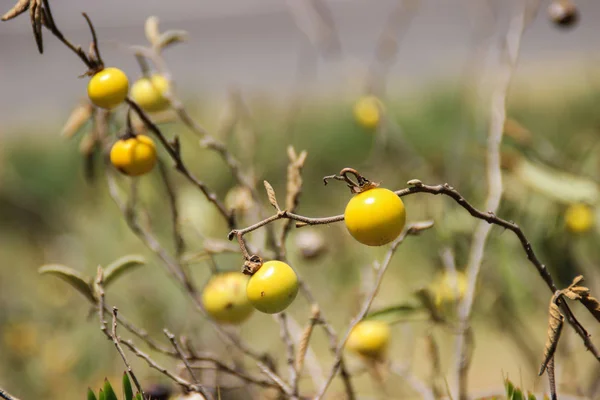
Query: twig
{"x": 179, "y": 242}
{"x": 7, "y": 396}
{"x": 289, "y": 347}
{"x": 415, "y": 383}
{"x": 412, "y": 229}
{"x": 184, "y": 359}
{"x": 116, "y": 340}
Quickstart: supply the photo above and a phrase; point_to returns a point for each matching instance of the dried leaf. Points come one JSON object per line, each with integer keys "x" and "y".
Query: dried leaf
{"x": 170, "y": 38}
{"x": 552, "y": 380}
{"x": 79, "y": 116}
{"x": 35, "y": 13}
{"x": 555, "y": 324}
{"x": 71, "y": 276}
{"x": 151, "y": 30}
{"x": 120, "y": 266}
{"x": 271, "y": 195}
{"x": 19, "y": 8}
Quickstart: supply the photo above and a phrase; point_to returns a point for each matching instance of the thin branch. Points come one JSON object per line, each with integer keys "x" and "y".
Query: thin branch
{"x": 116, "y": 340}
{"x": 412, "y": 229}
{"x": 415, "y": 383}
{"x": 6, "y": 396}
{"x": 289, "y": 347}
{"x": 170, "y": 189}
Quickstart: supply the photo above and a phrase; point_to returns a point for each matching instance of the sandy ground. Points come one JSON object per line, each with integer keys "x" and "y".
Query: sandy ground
{"x": 255, "y": 45}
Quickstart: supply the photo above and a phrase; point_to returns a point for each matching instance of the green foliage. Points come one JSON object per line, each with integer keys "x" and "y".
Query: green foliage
{"x": 107, "y": 392}
{"x": 71, "y": 276}
{"x": 120, "y": 266}
{"x": 127, "y": 390}
{"x": 516, "y": 393}
{"x": 91, "y": 395}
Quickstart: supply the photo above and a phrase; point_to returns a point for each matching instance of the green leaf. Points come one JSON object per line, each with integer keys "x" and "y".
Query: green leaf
{"x": 101, "y": 395}
{"x": 91, "y": 395}
{"x": 531, "y": 396}
{"x": 71, "y": 276}
{"x": 518, "y": 394}
{"x": 397, "y": 312}
{"x": 127, "y": 390}
{"x": 120, "y": 266}
{"x": 510, "y": 389}
{"x": 109, "y": 393}
{"x": 138, "y": 396}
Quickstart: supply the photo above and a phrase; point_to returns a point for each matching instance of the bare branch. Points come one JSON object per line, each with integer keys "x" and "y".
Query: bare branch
{"x": 6, "y": 396}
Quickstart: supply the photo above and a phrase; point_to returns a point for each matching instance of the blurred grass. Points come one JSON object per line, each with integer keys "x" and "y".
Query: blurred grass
{"x": 49, "y": 214}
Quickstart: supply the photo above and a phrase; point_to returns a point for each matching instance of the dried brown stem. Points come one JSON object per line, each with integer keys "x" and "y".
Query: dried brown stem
{"x": 170, "y": 189}
{"x": 184, "y": 359}
{"x": 116, "y": 340}
{"x": 412, "y": 229}
{"x": 286, "y": 337}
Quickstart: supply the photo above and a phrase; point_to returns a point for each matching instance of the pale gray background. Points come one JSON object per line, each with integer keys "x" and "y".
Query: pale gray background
{"x": 255, "y": 44}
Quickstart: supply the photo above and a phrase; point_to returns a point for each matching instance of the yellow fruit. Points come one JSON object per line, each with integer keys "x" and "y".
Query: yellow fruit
{"x": 108, "y": 88}
{"x": 134, "y": 156}
{"x": 579, "y": 218}
{"x": 375, "y": 217}
{"x": 224, "y": 298}
{"x": 273, "y": 287}
{"x": 148, "y": 93}
{"x": 369, "y": 338}
{"x": 447, "y": 290}
{"x": 367, "y": 112}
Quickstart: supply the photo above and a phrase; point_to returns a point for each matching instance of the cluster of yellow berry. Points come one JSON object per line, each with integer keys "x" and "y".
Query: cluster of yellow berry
{"x": 108, "y": 88}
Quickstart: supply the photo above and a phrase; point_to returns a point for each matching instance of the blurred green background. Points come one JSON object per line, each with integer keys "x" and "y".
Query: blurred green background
{"x": 51, "y": 346}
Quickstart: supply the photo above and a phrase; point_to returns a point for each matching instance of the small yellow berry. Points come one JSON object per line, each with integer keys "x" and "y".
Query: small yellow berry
{"x": 108, "y": 88}
{"x": 134, "y": 156}
{"x": 224, "y": 298}
{"x": 579, "y": 218}
{"x": 369, "y": 338}
{"x": 368, "y": 111}
{"x": 273, "y": 287}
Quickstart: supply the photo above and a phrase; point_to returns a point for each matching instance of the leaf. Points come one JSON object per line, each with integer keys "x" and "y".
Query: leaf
{"x": 127, "y": 390}
{"x": 101, "y": 395}
{"x": 170, "y": 38}
{"x": 151, "y": 30}
{"x": 19, "y": 8}
{"x": 109, "y": 393}
{"x": 271, "y": 195}
{"x": 120, "y": 266}
{"x": 531, "y": 396}
{"x": 582, "y": 293}
{"x": 557, "y": 185}
{"x": 71, "y": 276}
{"x": 510, "y": 388}
{"x": 138, "y": 396}
{"x": 91, "y": 395}
{"x": 294, "y": 177}
{"x": 555, "y": 324}
{"x": 395, "y": 312}
{"x": 79, "y": 116}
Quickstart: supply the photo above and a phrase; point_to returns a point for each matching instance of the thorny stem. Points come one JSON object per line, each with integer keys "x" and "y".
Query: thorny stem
{"x": 409, "y": 230}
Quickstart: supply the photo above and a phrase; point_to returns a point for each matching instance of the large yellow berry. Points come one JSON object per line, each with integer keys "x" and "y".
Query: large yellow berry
{"x": 108, "y": 88}
{"x": 579, "y": 218}
{"x": 375, "y": 217}
{"x": 134, "y": 156}
{"x": 367, "y": 112}
{"x": 224, "y": 298}
{"x": 148, "y": 93}
{"x": 369, "y": 338}
{"x": 273, "y": 287}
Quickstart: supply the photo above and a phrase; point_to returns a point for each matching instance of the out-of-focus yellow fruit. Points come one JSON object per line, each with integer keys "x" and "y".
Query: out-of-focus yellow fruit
{"x": 579, "y": 218}
{"x": 224, "y": 298}
{"x": 370, "y": 339}
{"x": 273, "y": 287}
{"x": 368, "y": 111}
{"x": 448, "y": 288}
{"x": 149, "y": 93}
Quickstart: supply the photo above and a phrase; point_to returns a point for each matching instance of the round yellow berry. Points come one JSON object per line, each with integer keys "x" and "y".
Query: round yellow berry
{"x": 368, "y": 111}
{"x": 375, "y": 217}
{"x": 134, "y": 156}
{"x": 369, "y": 338}
{"x": 224, "y": 298}
{"x": 273, "y": 287}
{"x": 148, "y": 93}
{"x": 108, "y": 88}
{"x": 449, "y": 289}
{"x": 579, "y": 218}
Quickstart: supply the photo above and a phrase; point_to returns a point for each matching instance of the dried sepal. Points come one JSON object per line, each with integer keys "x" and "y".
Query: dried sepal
{"x": 151, "y": 30}
{"x": 35, "y": 14}
{"x": 271, "y": 195}
{"x": 582, "y": 294}
{"x": 17, "y": 9}
{"x": 555, "y": 325}
{"x": 78, "y": 117}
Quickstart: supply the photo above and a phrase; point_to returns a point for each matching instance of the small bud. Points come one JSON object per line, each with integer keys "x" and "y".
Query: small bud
{"x": 563, "y": 13}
